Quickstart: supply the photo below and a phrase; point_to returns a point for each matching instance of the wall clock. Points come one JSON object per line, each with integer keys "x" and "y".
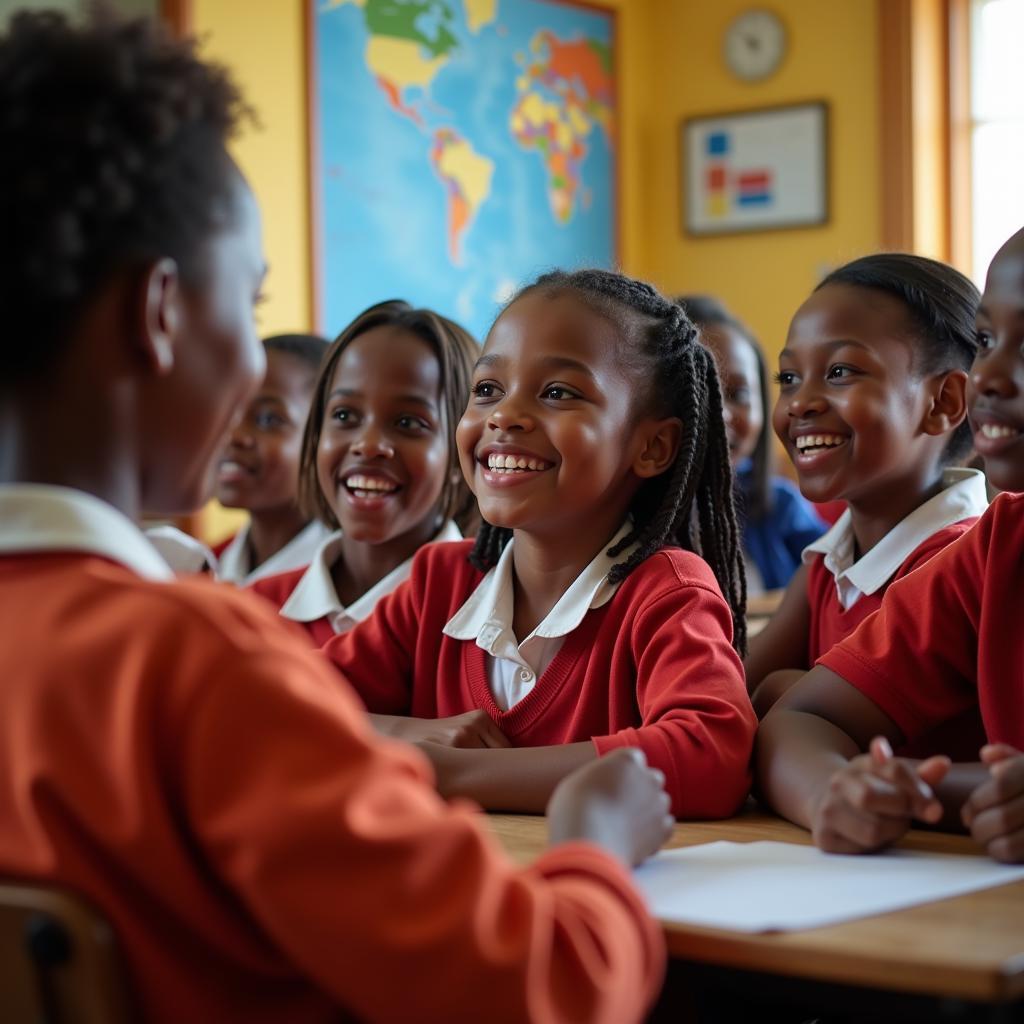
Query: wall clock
{"x": 754, "y": 44}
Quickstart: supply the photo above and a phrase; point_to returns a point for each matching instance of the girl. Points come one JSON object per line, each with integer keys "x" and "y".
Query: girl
{"x": 580, "y": 620}
{"x": 169, "y": 750}
{"x": 946, "y": 641}
{"x": 872, "y": 411}
{"x": 777, "y": 522}
{"x": 258, "y": 470}
{"x": 379, "y": 463}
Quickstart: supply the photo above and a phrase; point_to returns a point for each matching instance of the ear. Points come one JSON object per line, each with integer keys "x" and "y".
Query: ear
{"x": 659, "y": 443}
{"x": 948, "y": 407}
{"x": 160, "y": 315}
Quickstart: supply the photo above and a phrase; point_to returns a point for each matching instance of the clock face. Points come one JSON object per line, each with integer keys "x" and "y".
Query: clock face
{"x": 755, "y": 44}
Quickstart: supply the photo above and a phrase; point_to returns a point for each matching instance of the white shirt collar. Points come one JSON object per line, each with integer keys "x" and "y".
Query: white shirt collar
{"x": 182, "y": 552}
{"x": 963, "y": 495}
{"x": 233, "y": 565}
{"x": 41, "y": 517}
{"x": 486, "y": 617}
{"x": 315, "y": 596}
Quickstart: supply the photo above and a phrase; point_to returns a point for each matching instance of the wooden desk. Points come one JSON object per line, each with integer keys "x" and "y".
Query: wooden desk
{"x": 968, "y": 949}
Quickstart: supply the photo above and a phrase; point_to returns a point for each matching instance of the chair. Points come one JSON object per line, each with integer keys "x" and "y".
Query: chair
{"x": 58, "y": 960}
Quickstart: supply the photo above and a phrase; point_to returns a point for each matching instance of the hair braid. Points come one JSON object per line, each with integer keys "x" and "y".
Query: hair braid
{"x": 691, "y": 505}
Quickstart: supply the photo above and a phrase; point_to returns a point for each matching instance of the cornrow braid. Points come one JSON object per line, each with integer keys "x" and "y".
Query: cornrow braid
{"x": 691, "y": 504}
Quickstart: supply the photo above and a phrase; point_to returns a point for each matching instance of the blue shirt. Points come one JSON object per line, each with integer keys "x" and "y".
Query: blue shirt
{"x": 774, "y": 543}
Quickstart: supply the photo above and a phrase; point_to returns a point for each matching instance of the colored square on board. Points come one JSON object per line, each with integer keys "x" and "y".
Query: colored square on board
{"x": 717, "y": 205}
{"x": 718, "y": 144}
{"x": 716, "y": 178}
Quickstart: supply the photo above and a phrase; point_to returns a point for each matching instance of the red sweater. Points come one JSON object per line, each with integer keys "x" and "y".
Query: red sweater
{"x": 653, "y": 668}
{"x": 278, "y": 588}
{"x": 830, "y": 622}
{"x": 948, "y": 637}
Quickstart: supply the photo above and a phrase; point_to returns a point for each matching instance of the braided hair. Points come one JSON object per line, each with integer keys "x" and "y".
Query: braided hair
{"x": 690, "y": 505}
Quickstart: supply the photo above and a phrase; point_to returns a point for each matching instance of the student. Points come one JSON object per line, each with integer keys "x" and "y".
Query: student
{"x": 947, "y": 639}
{"x": 777, "y": 522}
{"x": 379, "y": 464}
{"x": 259, "y": 468}
{"x": 168, "y": 748}
{"x": 871, "y": 410}
{"x": 580, "y": 620}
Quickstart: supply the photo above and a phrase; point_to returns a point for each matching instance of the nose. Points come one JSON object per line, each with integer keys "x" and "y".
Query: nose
{"x": 372, "y": 443}
{"x": 241, "y": 435}
{"x": 806, "y": 400}
{"x": 993, "y": 371}
{"x": 510, "y": 414}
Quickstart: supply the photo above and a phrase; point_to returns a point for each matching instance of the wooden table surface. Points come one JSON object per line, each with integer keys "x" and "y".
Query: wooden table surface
{"x": 969, "y": 947}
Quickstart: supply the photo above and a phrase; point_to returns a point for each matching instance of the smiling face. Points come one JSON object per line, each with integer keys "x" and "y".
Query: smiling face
{"x": 851, "y": 406}
{"x": 550, "y": 441}
{"x": 259, "y": 467}
{"x": 383, "y": 452}
{"x": 740, "y": 374}
{"x": 995, "y": 390}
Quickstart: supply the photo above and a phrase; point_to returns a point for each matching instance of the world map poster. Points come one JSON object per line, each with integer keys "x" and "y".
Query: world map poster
{"x": 460, "y": 148}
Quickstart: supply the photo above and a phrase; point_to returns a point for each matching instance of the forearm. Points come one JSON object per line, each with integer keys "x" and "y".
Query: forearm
{"x": 796, "y": 754}
{"x": 519, "y": 779}
{"x": 388, "y": 725}
{"x": 952, "y": 792}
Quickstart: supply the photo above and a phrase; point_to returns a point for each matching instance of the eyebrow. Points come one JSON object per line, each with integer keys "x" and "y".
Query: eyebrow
{"x": 548, "y": 362}
{"x": 428, "y": 403}
{"x": 831, "y": 346}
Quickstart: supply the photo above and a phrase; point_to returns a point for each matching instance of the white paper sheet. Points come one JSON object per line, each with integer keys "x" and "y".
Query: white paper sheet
{"x": 769, "y": 886}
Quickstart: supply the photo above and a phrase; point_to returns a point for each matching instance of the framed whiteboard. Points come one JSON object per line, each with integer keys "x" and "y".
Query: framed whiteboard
{"x": 755, "y": 170}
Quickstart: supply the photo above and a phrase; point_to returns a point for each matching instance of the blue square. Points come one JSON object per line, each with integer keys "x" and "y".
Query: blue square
{"x": 718, "y": 144}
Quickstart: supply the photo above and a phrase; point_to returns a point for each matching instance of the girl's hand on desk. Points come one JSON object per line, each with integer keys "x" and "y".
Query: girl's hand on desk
{"x": 473, "y": 728}
{"x": 615, "y": 801}
{"x": 994, "y": 812}
{"x": 872, "y": 801}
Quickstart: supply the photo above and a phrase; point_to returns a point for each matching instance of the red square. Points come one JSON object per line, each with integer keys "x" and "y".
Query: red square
{"x": 716, "y": 178}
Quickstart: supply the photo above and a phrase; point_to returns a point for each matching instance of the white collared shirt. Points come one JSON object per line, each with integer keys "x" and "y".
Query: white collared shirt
{"x": 315, "y": 596}
{"x": 182, "y": 552}
{"x": 42, "y": 517}
{"x": 234, "y": 565}
{"x": 513, "y": 668}
{"x": 963, "y": 495}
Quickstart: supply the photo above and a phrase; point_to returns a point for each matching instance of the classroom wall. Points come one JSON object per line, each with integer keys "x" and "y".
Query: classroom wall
{"x": 832, "y": 55}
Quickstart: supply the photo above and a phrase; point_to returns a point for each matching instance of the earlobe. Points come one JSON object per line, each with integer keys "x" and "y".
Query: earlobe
{"x": 160, "y": 315}
{"x": 949, "y": 403}
{"x": 660, "y": 444}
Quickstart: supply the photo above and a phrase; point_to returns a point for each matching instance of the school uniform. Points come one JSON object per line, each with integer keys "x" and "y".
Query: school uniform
{"x": 842, "y": 592}
{"x": 171, "y": 751}
{"x": 948, "y": 637}
{"x": 308, "y": 596}
{"x": 646, "y": 663}
{"x": 234, "y": 564}
{"x": 182, "y": 552}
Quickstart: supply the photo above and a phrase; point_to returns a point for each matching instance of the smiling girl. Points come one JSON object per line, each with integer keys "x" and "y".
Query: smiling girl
{"x": 378, "y": 464}
{"x": 872, "y": 411}
{"x": 582, "y": 619}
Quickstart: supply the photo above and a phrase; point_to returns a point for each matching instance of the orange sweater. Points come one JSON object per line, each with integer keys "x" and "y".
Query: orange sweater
{"x": 180, "y": 757}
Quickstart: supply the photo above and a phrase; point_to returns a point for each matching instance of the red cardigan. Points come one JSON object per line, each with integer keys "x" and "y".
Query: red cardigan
{"x": 653, "y": 668}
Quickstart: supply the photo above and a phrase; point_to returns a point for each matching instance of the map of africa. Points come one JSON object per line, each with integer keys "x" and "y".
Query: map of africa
{"x": 465, "y": 146}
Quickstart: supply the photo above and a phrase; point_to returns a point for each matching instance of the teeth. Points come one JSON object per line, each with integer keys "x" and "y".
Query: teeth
{"x": 516, "y": 463}
{"x": 358, "y": 482}
{"x": 819, "y": 441}
{"x": 994, "y": 430}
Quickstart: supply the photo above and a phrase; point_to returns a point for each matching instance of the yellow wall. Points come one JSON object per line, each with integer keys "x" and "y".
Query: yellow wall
{"x": 832, "y": 55}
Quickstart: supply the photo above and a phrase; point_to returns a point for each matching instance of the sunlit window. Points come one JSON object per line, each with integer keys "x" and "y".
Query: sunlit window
{"x": 997, "y": 126}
